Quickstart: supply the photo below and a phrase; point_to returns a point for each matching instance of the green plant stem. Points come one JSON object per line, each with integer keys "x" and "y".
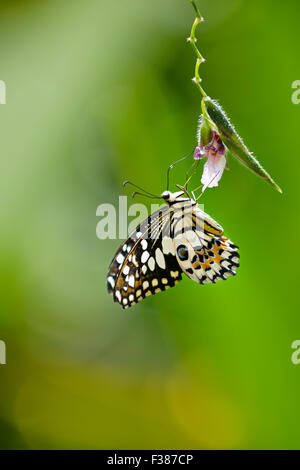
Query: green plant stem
{"x": 192, "y": 40}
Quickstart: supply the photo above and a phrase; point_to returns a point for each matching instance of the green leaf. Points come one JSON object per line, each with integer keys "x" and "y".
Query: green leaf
{"x": 233, "y": 141}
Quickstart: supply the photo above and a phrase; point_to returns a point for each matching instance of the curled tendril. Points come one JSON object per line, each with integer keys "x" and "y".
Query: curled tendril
{"x": 192, "y": 40}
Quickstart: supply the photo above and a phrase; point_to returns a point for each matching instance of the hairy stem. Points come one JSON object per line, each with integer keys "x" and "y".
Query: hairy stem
{"x": 192, "y": 40}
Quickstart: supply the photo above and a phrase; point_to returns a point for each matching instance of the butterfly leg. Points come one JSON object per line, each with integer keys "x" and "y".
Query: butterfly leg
{"x": 193, "y": 169}
{"x": 193, "y": 192}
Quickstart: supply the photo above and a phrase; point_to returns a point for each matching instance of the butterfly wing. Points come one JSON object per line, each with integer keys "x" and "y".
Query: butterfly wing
{"x": 146, "y": 262}
{"x": 202, "y": 251}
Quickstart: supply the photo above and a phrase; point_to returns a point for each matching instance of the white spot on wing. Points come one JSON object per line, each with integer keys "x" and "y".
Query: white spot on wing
{"x": 145, "y": 257}
{"x": 118, "y": 295}
{"x": 160, "y": 259}
{"x": 151, "y": 263}
{"x": 167, "y": 246}
{"x": 131, "y": 281}
{"x": 126, "y": 270}
{"x": 144, "y": 244}
{"x": 120, "y": 258}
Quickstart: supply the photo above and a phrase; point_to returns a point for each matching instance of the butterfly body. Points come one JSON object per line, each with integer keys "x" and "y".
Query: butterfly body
{"x": 179, "y": 238}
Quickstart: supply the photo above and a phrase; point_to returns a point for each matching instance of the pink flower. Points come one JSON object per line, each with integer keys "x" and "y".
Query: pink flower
{"x": 216, "y": 160}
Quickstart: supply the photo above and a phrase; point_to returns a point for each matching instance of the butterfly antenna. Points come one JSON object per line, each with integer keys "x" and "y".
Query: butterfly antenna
{"x": 172, "y": 166}
{"x": 145, "y": 195}
{"x": 141, "y": 189}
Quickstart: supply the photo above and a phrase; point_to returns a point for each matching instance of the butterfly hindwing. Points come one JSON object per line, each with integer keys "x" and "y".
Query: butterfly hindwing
{"x": 202, "y": 251}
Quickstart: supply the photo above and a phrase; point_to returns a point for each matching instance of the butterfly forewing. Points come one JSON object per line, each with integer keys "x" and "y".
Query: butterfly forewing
{"x": 146, "y": 262}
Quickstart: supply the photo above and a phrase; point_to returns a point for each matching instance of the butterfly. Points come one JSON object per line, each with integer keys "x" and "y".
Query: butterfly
{"x": 178, "y": 238}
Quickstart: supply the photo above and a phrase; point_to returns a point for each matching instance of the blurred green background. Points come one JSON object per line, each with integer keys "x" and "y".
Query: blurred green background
{"x": 101, "y": 91}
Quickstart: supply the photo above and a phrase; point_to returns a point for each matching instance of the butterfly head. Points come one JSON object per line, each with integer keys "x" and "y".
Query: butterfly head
{"x": 171, "y": 197}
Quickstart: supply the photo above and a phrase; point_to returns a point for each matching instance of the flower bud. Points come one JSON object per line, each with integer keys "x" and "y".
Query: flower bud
{"x": 233, "y": 141}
